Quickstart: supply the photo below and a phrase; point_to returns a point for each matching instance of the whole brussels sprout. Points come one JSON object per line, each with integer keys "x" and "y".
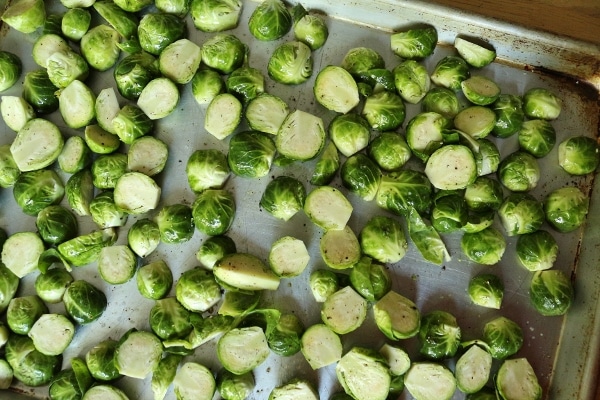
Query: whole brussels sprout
{"x": 566, "y": 208}
{"x": 40, "y": 92}
{"x": 537, "y": 250}
{"x": 9, "y": 170}
{"x": 175, "y": 223}
{"x": 224, "y": 53}
{"x": 30, "y": 366}
{"x": 371, "y": 280}
{"x": 234, "y": 387}
{"x": 213, "y": 249}
{"x": 213, "y": 211}
{"x": 361, "y": 176}
{"x": 207, "y": 169}
{"x": 215, "y": 15}
{"x": 56, "y": 224}
{"x": 519, "y": 172}
{"x": 350, "y": 133}
{"x": 537, "y": 137}
{"x": 449, "y": 212}
{"x": 251, "y": 154}
{"x": 449, "y": 72}
{"x": 51, "y": 286}
{"x": 503, "y": 337}
{"x": 283, "y": 197}
{"x": 10, "y": 69}
{"x": 485, "y": 247}
{"x": 100, "y": 361}
{"x": 271, "y": 20}
{"x": 143, "y": 237}
{"x": 439, "y": 335}
{"x": 509, "y": 115}
{"x": 541, "y": 103}
{"x": 84, "y": 302}
{"x": 291, "y": 63}
{"x": 169, "y": 319}
{"x": 99, "y": 47}
{"x": 197, "y": 290}
{"x": 551, "y": 292}
{"x": 383, "y": 239}
{"x": 486, "y": 290}
{"x": 75, "y": 23}
{"x": 521, "y": 213}
{"x": 414, "y": 44}
{"x": 158, "y": 30}
{"x": 579, "y": 155}
{"x": 36, "y": 190}
{"x": 133, "y": 72}
{"x": 104, "y": 211}
{"x": 384, "y": 110}
{"x": 390, "y": 151}
{"x": 154, "y": 280}
{"x": 22, "y": 312}
{"x": 284, "y": 336}
{"x": 309, "y": 28}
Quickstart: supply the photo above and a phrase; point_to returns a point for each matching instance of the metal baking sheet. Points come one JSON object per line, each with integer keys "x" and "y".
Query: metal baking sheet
{"x": 563, "y": 351}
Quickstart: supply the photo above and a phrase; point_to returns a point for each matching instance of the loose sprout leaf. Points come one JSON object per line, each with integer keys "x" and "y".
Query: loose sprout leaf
{"x": 426, "y": 238}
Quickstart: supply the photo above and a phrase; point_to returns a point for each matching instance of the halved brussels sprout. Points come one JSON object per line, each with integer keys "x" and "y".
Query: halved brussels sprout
{"x": 301, "y": 136}
{"x": 71, "y": 382}
{"x": 75, "y": 155}
{"x": 327, "y": 166}
{"x": 213, "y": 249}
{"x": 215, "y": 15}
{"x": 164, "y": 374}
{"x": 405, "y": 189}
{"x": 566, "y": 208}
{"x": 389, "y": 150}
{"x": 223, "y": 115}
{"x": 136, "y": 193}
{"x": 107, "y": 169}
{"x": 194, "y": 381}
{"x": 364, "y": 375}
{"x": 159, "y": 98}
{"x": 10, "y": 69}
{"x": 80, "y": 191}
{"x": 451, "y": 167}
{"x": 213, "y": 211}
{"x": 21, "y": 252}
{"x": 359, "y": 60}
{"x": 541, "y": 103}
{"x": 344, "y": 311}
{"x": 131, "y": 122}
{"x": 484, "y": 194}
{"x": 449, "y": 72}
{"x": 310, "y": 29}
{"x": 439, "y": 335}
{"x": 25, "y": 15}
{"x": 224, "y": 53}
{"x": 516, "y": 379}
{"x": 340, "y": 248}
{"x": 521, "y": 213}
{"x": 158, "y": 30}
{"x": 117, "y": 264}
{"x": 486, "y": 290}
{"x": 442, "y": 101}
{"x": 412, "y": 81}
{"x": 476, "y": 121}
{"x": 449, "y": 212}
{"x": 323, "y": 283}
{"x": 537, "y": 137}
{"x": 100, "y": 360}
{"x": 23, "y": 312}
{"x": 430, "y": 380}
{"x": 579, "y": 155}
{"x": 537, "y": 250}
{"x": 361, "y": 176}
{"x": 414, "y": 44}
{"x": 270, "y": 20}
{"x": 123, "y": 21}
{"x": 206, "y": 85}
{"x": 291, "y": 63}
{"x": 104, "y": 211}
{"x": 487, "y": 157}
{"x": 251, "y": 154}
{"x": 169, "y": 319}
{"x": 509, "y": 115}
{"x": 473, "y": 369}
{"x": 64, "y": 67}
{"x": 503, "y": 336}
{"x": 480, "y": 90}
{"x": 551, "y": 292}
{"x": 246, "y": 83}
{"x": 138, "y": 353}
{"x": 9, "y": 283}
{"x": 35, "y": 190}
{"x": 235, "y": 387}
{"x": 519, "y": 172}
{"x": 424, "y": 133}
{"x": 147, "y": 155}
{"x": 76, "y": 104}
{"x": 474, "y": 54}
{"x": 16, "y": 112}
{"x": 335, "y": 89}
{"x": 52, "y": 334}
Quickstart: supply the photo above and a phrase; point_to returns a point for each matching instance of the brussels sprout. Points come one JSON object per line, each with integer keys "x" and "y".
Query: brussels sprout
{"x": 133, "y": 6}
{"x": 9, "y": 283}
{"x": 484, "y": 194}
{"x": 486, "y": 290}
{"x": 169, "y": 319}
{"x": 72, "y": 382}
{"x": 384, "y": 111}
{"x": 484, "y": 247}
{"x": 487, "y": 157}
{"x": 521, "y": 213}
{"x": 224, "y": 53}
{"x": 157, "y": 30}
{"x": 323, "y": 283}
{"x": 361, "y": 176}
{"x": 136, "y": 193}
{"x": 363, "y": 373}
{"x": 206, "y": 329}
{"x": 389, "y": 150}
{"x": 537, "y": 250}
{"x": 100, "y": 360}
{"x": 480, "y": 90}
{"x": 245, "y": 272}
{"x": 213, "y": 249}
{"x": 359, "y": 60}
{"x": 194, "y": 381}
{"x": 296, "y": 387}
{"x": 105, "y": 391}
{"x": 541, "y": 103}
{"x": 117, "y": 264}
{"x": 301, "y": 136}
{"x": 223, "y": 115}
{"x": 473, "y": 369}
{"x": 291, "y": 63}
{"x": 85, "y": 249}
{"x": 138, "y": 353}
{"x": 215, "y": 15}
{"x": 35, "y": 190}
{"x": 414, "y": 44}
{"x": 16, "y": 112}
{"x": 449, "y": 212}
{"x": 234, "y": 387}
{"x": 154, "y": 280}
{"x": 206, "y": 85}
{"x": 197, "y": 290}
{"x": 516, "y": 379}
{"x": 579, "y": 155}
{"x": 383, "y": 239}
{"x": 123, "y": 21}
{"x": 412, "y": 81}
{"x": 283, "y": 197}
{"x": 439, "y": 335}
{"x": 449, "y": 72}
{"x": 40, "y": 92}
{"x": 344, "y": 311}
{"x": 451, "y": 167}
{"x": 271, "y": 20}
{"x": 56, "y": 224}
{"x": 21, "y": 252}
{"x": 175, "y": 223}
{"x": 503, "y": 336}
{"x": 402, "y": 190}
{"x": 176, "y": 7}
{"x": 80, "y": 190}
{"x": 104, "y": 211}
{"x": 340, "y": 248}
{"x": 476, "y": 121}
{"x": 509, "y": 115}
{"x": 11, "y": 69}
{"x": 240, "y": 350}
{"x": 107, "y": 169}
{"x": 321, "y": 346}
{"x": 147, "y": 155}
{"x": 164, "y": 374}
{"x": 64, "y": 67}
{"x": 84, "y": 302}
{"x": 100, "y": 47}
{"x": 308, "y": 28}
{"x": 131, "y": 122}
{"x": 424, "y": 133}
{"x": 30, "y": 366}
{"x": 551, "y": 292}
{"x": 266, "y": 113}
{"x": 350, "y": 133}
{"x": 133, "y": 72}
{"x": 76, "y": 104}
{"x": 566, "y": 208}
{"x": 46, "y": 45}
{"x": 52, "y": 334}
{"x": 251, "y": 154}
{"x": 213, "y": 211}
{"x": 51, "y": 286}
{"x": 537, "y": 137}
{"x": 239, "y": 304}
{"x": 52, "y": 24}
{"x": 430, "y": 380}
{"x": 41, "y": 135}
{"x": 336, "y": 90}
{"x": 75, "y": 155}
{"x": 159, "y": 98}
{"x": 484, "y": 394}
{"x": 371, "y": 280}
{"x": 25, "y": 16}
{"x": 326, "y": 166}
{"x": 246, "y": 83}
{"x": 283, "y": 331}
{"x": 519, "y": 172}
{"x": 441, "y": 100}
{"x": 474, "y": 54}
{"x": 23, "y": 311}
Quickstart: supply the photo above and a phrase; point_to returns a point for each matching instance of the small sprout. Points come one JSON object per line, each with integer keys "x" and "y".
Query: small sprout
{"x": 215, "y": 15}
{"x": 439, "y": 335}
{"x": 486, "y": 290}
{"x": 579, "y": 155}
{"x": 361, "y": 176}
{"x": 541, "y": 103}
{"x": 551, "y": 292}
{"x": 270, "y": 20}
{"x": 449, "y": 72}
{"x": 323, "y": 283}
{"x": 503, "y": 337}
{"x": 251, "y": 154}
{"x": 412, "y": 81}
{"x": 521, "y": 213}
{"x": 396, "y": 316}
{"x": 383, "y": 239}
{"x": 291, "y": 63}
{"x": 158, "y": 30}
{"x": 213, "y": 211}
{"x": 283, "y": 197}
{"x": 474, "y": 54}
{"x": 484, "y": 247}
{"x": 414, "y": 44}
{"x": 509, "y": 115}
{"x": 566, "y": 208}
{"x": 537, "y": 137}
{"x": 390, "y": 151}
{"x": 519, "y": 172}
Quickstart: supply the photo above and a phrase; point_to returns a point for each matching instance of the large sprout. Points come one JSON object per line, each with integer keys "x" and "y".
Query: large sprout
{"x": 84, "y": 302}
{"x": 271, "y": 20}
{"x": 29, "y": 365}
{"x": 579, "y": 155}
{"x": 10, "y": 69}
{"x": 389, "y": 150}
{"x": 566, "y": 208}
{"x": 251, "y": 154}
{"x": 215, "y": 15}
{"x": 486, "y": 290}
{"x": 213, "y": 211}
{"x": 291, "y": 63}
{"x": 361, "y": 176}
{"x": 40, "y": 92}
{"x": 35, "y": 190}
{"x": 383, "y": 239}
{"x": 412, "y": 81}
{"x": 439, "y": 335}
{"x": 223, "y": 52}
{"x": 537, "y": 250}
{"x": 283, "y": 197}
{"x": 521, "y": 213}
{"x": 154, "y": 280}
{"x": 25, "y": 15}
{"x": 414, "y": 44}
{"x": 484, "y": 194}
{"x": 175, "y": 223}
{"x": 519, "y": 172}
{"x": 551, "y": 292}
{"x": 503, "y": 336}
{"x": 541, "y": 103}
{"x": 485, "y": 247}
{"x": 158, "y": 30}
